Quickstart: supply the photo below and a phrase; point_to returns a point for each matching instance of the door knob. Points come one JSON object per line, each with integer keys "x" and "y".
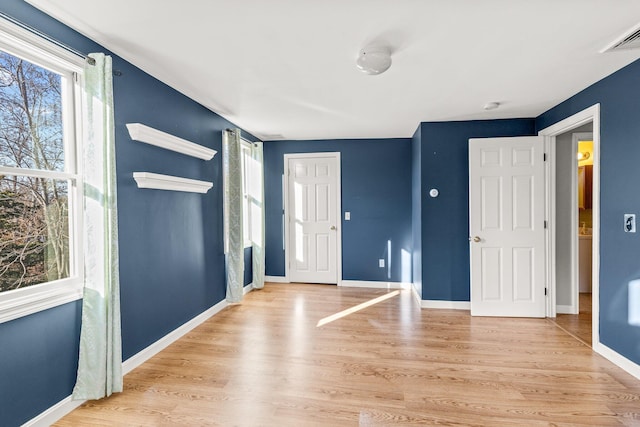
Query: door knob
{"x": 476, "y": 239}
{"x": 333, "y": 227}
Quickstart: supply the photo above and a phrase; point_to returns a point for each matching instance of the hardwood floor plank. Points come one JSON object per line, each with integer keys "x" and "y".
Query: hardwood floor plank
{"x": 267, "y": 363}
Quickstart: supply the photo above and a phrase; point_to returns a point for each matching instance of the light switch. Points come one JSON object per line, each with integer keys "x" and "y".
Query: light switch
{"x": 629, "y": 223}
{"x": 347, "y": 216}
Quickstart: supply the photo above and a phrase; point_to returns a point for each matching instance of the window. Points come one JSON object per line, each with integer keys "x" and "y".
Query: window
{"x": 246, "y": 185}
{"x": 40, "y": 254}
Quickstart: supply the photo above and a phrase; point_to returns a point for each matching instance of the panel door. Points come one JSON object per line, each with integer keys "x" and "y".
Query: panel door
{"x": 506, "y": 225}
{"x": 313, "y": 219}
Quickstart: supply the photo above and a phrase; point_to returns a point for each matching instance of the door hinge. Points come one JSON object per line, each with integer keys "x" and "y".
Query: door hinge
{"x": 544, "y": 156}
{"x": 545, "y": 292}
{"x": 545, "y": 224}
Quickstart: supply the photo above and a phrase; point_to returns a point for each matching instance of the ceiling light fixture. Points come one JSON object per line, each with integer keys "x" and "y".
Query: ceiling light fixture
{"x": 374, "y": 60}
{"x": 491, "y": 105}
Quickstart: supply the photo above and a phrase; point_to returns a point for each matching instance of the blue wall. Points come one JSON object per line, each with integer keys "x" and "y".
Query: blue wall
{"x": 619, "y": 98}
{"x": 445, "y": 219}
{"x": 376, "y": 189}
{"x": 171, "y": 247}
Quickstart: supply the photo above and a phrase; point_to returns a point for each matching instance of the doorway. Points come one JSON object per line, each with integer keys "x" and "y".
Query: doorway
{"x": 312, "y": 218}
{"x": 574, "y": 225}
{"x": 565, "y": 223}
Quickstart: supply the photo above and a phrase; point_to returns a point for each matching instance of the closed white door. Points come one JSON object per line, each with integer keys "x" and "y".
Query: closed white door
{"x": 506, "y": 225}
{"x": 313, "y": 218}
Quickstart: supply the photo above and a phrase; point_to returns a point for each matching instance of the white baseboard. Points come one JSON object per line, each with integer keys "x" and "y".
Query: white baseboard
{"x": 67, "y": 405}
{"x": 247, "y": 289}
{"x": 142, "y": 356}
{"x": 372, "y": 284}
{"x": 54, "y": 413}
{"x": 451, "y": 305}
{"x": 618, "y": 359}
{"x": 415, "y": 294}
{"x": 276, "y": 279}
{"x": 566, "y": 309}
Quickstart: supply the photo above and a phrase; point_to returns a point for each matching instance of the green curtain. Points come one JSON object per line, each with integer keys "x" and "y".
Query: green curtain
{"x": 233, "y": 201}
{"x": 257, "y": 214}
{"x": 100, "y": 361}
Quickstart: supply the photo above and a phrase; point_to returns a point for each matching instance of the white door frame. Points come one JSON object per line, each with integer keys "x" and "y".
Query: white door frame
{"x": 591, "y": 114}
{"x": 287, "y": 222}
{"x": 575, "y": 223}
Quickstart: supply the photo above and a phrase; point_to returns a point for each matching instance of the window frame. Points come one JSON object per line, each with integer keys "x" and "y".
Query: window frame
{"x": 245, "y": 146}
{"x": 25, "y": 44}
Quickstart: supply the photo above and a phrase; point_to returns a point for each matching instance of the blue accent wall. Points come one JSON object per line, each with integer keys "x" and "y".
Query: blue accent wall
{"x": 38, "y": 362}
{"x": 619, "y": 99}
{"x": 171, "y": 246}
{"x": 445, "y": 219}
{"x": 376, "y": 189}
{"x": 416, "y": 209}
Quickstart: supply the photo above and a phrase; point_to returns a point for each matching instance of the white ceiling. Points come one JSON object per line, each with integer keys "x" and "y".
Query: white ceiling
{"x": 285, "y": 69}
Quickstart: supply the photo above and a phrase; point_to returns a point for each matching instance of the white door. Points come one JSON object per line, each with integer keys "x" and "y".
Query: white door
{"x": 313, "y": 217}
{"x": 506, "y": 226}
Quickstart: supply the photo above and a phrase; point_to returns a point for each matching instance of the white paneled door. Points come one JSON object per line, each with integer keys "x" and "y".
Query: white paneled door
{"x": 506, "y": 226}
{"x": 313, "y": 217}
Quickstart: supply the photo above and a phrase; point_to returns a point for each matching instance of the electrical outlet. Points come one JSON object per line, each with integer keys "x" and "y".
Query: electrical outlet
{"x": 381, "y": 263}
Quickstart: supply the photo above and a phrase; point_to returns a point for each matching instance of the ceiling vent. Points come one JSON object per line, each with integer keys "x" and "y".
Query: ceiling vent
{"x": 630, "y": 40}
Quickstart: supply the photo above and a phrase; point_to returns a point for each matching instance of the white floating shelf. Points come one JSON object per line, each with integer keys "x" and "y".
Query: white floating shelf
{"x": 149, "y": 135}
{"x": 168, "y": 182}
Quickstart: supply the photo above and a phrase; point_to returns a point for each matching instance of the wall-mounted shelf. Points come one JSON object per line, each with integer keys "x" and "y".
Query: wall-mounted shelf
{"x": 168, "y": 182}
{"x": 149, "y": 135}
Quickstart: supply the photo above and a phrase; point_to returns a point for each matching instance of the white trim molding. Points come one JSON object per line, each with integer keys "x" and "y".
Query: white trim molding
{"x": 148, "y": 135}
{"x": 143, "y": 355}
{"x": 618, "y": 359}
{"x": 168, "y": 182}
{"x": 566, "y": 309}
{"x": 32, "y": 299}
{"x": 448, "y": 305}
{"x": 276, "y": 279}
{"x": 66, "y": 405}
{"x": 374, "y": 284}
{"x": 247, "y": 288}
{"x": 588, "y": 115}
{"x": 19, "y": 41}
{"x": 54, "y": 413}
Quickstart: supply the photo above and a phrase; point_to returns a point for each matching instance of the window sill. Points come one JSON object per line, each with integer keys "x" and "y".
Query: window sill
{"x": 26, "y": 301}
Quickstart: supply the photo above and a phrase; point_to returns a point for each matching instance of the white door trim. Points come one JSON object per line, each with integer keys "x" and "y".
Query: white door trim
{"x": 591, "y": 114}
{"x": 336, "y": 156}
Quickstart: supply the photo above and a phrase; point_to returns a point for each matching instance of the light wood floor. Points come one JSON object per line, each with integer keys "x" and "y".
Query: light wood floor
{"x": 266, "y": 363}
{"x": 578, "y": 325}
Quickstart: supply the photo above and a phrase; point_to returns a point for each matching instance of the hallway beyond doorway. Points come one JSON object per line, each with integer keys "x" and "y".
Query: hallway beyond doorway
{"x": 578, "y": 325}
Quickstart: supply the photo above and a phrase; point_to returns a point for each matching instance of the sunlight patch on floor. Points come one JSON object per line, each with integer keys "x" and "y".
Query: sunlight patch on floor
{"x": 356, "y": 308}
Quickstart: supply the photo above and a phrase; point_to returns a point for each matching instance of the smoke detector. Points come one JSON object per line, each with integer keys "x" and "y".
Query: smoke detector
{"x": 374, "y": 60}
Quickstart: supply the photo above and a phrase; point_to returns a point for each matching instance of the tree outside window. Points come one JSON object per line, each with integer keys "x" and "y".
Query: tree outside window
{"x": 34, "y": 191}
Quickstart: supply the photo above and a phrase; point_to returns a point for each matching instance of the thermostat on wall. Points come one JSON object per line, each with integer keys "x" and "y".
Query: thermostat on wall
{"x": 434, "y": 192}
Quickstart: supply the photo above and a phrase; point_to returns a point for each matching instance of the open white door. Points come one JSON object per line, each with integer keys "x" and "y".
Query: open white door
{"x": 506, "y": 226}
{"x": 313, "y": 213}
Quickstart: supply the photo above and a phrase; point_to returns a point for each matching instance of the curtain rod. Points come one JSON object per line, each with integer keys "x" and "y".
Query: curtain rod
{"x": 38, "y": 33}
